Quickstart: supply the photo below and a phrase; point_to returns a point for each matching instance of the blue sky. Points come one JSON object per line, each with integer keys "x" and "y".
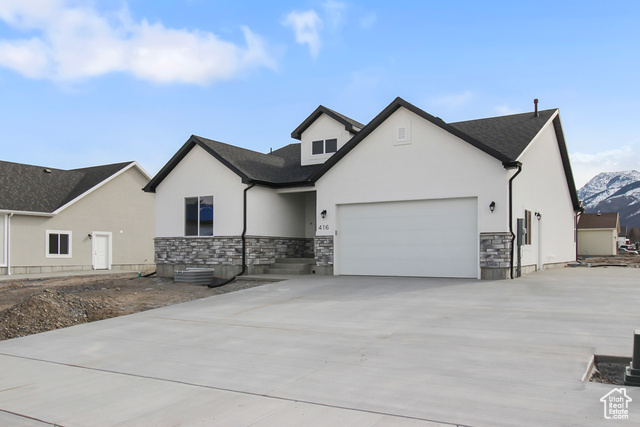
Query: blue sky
{"x": 84, "y": 83}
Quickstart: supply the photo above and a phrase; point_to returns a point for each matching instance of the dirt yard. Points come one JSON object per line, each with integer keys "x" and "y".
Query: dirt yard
{"x": 632, "y": 261}
{"x": 33, "y": 306}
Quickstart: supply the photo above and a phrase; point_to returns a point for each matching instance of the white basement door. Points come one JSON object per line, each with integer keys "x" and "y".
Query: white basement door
{"x": 421, "y": 238}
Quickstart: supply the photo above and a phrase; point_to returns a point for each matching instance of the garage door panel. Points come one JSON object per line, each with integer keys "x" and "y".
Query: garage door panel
{"x": 436, "y": 238}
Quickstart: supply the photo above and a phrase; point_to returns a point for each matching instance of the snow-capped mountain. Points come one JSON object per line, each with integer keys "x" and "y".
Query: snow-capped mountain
{"x": 614, "y": 192}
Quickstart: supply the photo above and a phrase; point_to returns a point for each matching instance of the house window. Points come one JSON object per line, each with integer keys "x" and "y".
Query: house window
{"x": 324, "y": 146}
{"x": 527, "y": 225}
{"x": 58, "y": 244}
{"x": 198, "y": 216}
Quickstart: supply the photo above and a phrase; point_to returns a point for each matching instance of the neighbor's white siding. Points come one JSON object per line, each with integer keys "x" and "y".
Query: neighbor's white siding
{"x": 597, "y": 242}
{"x": 432, "y": 164}
{"x": 542, "y": 187}
{"x": 119, "y": 206}
{"x": 324, "y": 127}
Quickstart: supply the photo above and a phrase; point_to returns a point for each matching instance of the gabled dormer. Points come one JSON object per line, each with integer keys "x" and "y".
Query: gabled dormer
{"x": 322, "y": 134}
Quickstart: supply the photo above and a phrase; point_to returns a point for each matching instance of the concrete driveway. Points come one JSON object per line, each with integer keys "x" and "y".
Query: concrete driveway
{"x": 338, "y": 351}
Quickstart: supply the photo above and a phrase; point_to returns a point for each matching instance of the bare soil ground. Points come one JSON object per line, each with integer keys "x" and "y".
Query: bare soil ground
{"x": 33, "y": 306}
{"x": 632, "y": 261}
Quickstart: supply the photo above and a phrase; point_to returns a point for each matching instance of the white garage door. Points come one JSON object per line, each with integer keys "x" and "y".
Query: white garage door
{"x": 423, "y": 238}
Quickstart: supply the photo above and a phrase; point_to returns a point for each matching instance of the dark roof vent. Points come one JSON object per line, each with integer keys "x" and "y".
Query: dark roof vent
{"x": 535, "y": 103}
{"x": 47, "y": 171}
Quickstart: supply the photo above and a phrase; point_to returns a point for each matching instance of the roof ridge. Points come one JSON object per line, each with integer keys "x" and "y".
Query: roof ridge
{"x": 503, "y": 116}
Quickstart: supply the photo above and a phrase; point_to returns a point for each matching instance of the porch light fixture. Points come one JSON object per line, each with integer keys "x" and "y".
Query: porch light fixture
{"x": 538, "y": 215}
{"x": 89, "y": 236}
{"x": 492, "y": 206}
{"x": 323, "y": 214}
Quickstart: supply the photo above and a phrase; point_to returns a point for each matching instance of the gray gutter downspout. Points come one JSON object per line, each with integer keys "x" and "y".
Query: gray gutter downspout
{"x": 512, "y": 165}
{"x": 244, "y": 240}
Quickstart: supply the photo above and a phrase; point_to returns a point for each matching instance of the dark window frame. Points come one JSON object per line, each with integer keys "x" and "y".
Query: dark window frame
{"x": 324, "y": 146}
{"x": 198, "y": 216}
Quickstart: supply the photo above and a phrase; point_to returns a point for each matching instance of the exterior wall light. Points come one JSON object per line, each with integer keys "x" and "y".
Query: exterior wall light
{"x": 538, "y": 215}
{"x": 89, "y": 236}
{"x": 323, "y": 214}
{"x": 492, "y": 206}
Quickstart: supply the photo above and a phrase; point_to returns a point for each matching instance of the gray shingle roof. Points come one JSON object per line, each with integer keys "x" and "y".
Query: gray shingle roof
{"x": 279, "y": 167}
{"x": 32, "y": 189}
{"x": 594, "y": 220}
{"x": 504, "y": 138}
{"x": 509, "y": 135}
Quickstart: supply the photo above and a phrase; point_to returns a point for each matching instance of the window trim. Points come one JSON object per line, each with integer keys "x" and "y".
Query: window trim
{"x": 58, "y": 255}
{"x": 199, "y": 201}
{"x": 527, "y": 227}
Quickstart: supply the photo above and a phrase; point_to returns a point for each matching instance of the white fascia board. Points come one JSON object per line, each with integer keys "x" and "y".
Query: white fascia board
{"x": 27, "y": 213}
{"x": 542, "y": 129}
{"x": 597, "y": 229}
{"x": 100, "y": 184}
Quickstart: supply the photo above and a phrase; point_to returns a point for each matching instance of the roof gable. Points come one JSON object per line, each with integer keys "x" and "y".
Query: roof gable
{"x": 350, "y": 125}
{"x": 29, "y": 188}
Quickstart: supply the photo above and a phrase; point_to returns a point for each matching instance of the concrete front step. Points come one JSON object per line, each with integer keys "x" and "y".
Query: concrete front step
{"x": 292, "y": 266}
{"x": 295, "y": 261}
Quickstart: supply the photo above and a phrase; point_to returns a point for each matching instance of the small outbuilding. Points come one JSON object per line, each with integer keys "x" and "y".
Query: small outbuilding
{"x": 598, "y": 234}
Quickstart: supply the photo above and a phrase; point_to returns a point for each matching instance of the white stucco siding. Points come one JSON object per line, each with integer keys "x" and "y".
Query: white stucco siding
{"x": 542, "y": 187}
{"x": 434, "y": 165}
{"x": 119, "y": 207}
{"x": 200, "y": 174}
{"x": 324, "y": 127}
{"x": 274, "y": 214}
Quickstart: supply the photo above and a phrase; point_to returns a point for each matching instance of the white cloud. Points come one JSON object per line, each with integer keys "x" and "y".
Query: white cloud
{"x": 306, "y": 26}
{"x": 367, "y": 21}
{"x": 453, "y": 101}
{"x": 75, "y": 41}
{"x": 505, "y": 110}
{"x": 335, "y": 12}
{"x": 586, "y": 165}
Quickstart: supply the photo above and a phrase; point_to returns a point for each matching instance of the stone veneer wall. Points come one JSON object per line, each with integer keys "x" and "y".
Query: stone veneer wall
{"x": 495, "y": 255}
{"x": 175, "y": 253}
{"x": 323, "y": 250}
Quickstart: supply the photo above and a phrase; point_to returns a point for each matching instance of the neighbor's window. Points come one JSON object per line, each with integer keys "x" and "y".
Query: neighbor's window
{"x": 58, "y": 244}
{"x": 324, "y": 146}
{"x": 198, "y": 216}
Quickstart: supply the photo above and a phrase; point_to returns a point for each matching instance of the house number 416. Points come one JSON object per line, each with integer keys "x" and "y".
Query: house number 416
{"x": 323, "y": 227}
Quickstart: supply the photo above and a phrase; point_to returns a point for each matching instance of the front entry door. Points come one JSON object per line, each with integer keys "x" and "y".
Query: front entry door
{"x": 101, "y": 252}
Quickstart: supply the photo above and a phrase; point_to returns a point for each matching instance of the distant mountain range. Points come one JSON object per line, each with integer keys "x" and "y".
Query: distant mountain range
{"x": 614, "y": 192}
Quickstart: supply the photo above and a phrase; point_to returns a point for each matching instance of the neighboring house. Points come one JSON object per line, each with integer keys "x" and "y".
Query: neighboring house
{"x": 598, "y": 234}
{"x": 404, "y": 195}
{"x": 622, "y": 236}
{"x": 80, "y": 219}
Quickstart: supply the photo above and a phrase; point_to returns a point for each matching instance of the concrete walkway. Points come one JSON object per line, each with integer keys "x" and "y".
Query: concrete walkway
{"x": 334, "y": 351}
